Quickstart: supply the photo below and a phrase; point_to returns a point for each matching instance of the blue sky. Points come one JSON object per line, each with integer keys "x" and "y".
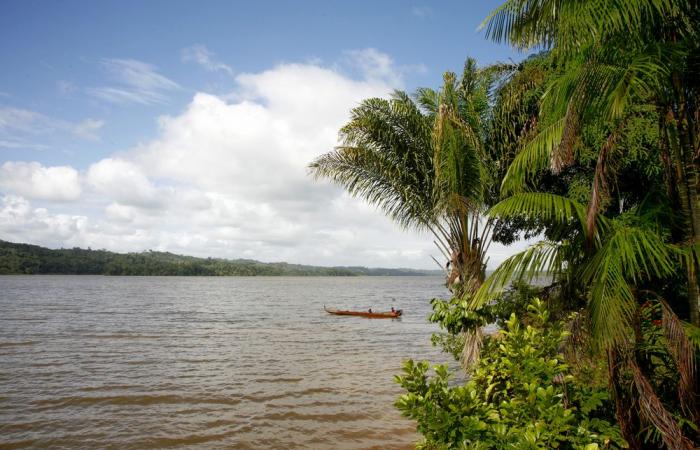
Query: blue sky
{"x": 116, "y": 117}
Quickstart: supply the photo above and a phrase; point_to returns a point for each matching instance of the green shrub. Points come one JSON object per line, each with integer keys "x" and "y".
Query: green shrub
{"x": 520, "y": 395}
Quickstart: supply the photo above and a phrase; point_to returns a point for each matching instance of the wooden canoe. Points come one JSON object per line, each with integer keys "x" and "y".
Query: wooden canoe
{"x": 367, "y": 314}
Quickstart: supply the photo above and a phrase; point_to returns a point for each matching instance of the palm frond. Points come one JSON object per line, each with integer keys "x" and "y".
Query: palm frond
{"x": 611, "y": 305}
{"x": 386, "y": 159}
{"x": 366, "y": 173}
{"x": 604, "y": 170}
{"x": 542, "y": 259}
{"x": 533, "y": 157}
{"x": 640, "y": 252}
{"x": 653, "y": 411}
{"x": 540, "y": 205}
{"x": 522, "y": 23}
{"x": 428, "y": 99}
{"x": 628, "y": 255}
{"x": 683, "y": 354}
{"x": 571, "y": 24}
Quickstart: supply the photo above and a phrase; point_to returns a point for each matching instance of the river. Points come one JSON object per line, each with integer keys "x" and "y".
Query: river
{"x": 199, "y": 362}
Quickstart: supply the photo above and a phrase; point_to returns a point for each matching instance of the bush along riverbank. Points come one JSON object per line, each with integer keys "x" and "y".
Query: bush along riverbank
{"x": 522, "y": 393}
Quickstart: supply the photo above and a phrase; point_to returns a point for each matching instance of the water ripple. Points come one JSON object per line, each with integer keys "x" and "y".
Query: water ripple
{"x": 119, "y": 362}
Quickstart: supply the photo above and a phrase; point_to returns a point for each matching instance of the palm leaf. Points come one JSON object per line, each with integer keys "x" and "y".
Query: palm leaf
{"x": 540, "y": 205}
{"x": 366, "y": 173}
{"x": 571, "y": 24}
{"x": 533, "y": 157}
{"x": 653, "y": 411}
{"x": 544, "y": 258}
{"x": 629, "y": 254}
{"x": 681, "y": 349}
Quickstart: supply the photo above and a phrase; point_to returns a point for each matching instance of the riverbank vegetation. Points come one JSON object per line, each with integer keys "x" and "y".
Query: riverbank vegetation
{"x": 592, "y": 145}
{"x": 25, "y": 259}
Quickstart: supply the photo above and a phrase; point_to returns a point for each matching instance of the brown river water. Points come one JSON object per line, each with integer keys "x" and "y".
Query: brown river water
{"x": 184, "y": 362}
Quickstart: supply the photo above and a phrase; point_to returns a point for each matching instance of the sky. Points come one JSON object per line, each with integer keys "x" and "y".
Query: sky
{"x": 188, "y": 126}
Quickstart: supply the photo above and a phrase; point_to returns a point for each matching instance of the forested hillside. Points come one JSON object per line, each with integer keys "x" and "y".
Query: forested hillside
{"x": 33, "y": 259}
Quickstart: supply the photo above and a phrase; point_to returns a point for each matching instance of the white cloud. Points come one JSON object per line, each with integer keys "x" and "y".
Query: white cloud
{"x": 18, "y": 220}
{"x": 121, "y": 213}
{"x": 17, "y": 122}
{"x": 139, "y": 82}
{"x": 205, "y": 58}
{"x": 138, "y": 74}
{"x": 88, "y": 129}
{"x": 229, "y": 178}
{"x": 31, "y": 179}
{"x": 16, "y": 119}
{"x": 375, "y": 65}
{"x": 124, "y": 182}
{"x": 20, "y": 143}
{"x": 22, "y": 222}
{"x": 118, "y": 95}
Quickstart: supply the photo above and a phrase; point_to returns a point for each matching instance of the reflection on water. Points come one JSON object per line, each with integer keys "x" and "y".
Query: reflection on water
{"x": 145, "y": 362}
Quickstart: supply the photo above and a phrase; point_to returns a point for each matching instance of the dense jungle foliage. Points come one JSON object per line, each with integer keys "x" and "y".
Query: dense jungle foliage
{"x": 591, "y": 147}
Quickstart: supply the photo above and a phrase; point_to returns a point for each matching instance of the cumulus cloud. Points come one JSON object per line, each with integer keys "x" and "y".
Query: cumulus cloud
{"x": 201, "y": 55}
{"x": 259, "y": 146}
{"x": 123, "y": 181}
{"x": 138, "y": 82}
{"x": 228, "y": 177}
{"x": 32, "y": 180}
{"x": 18, "y": 220}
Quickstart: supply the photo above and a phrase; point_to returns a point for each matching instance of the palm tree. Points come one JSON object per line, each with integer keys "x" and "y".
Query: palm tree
{"x": 615, "y": 61}
{"x": 617, "y": 58}
{"x": 423, "y": 162}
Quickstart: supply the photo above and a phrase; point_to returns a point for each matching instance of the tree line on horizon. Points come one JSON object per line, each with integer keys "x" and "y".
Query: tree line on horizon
{"x": 592, "y": 145}
{"x": 26, "y": 259}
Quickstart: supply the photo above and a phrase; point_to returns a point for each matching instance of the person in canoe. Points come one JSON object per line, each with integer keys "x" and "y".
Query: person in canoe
{"x": 393, "y": 310}
{"x": 369, "y": 310}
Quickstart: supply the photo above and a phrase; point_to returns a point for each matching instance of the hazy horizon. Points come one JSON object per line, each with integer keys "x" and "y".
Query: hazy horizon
{"x": 435, "y": 269}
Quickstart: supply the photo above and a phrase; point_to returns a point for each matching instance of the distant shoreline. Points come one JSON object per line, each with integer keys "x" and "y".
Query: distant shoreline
{"x": 422, "y": 275}
{"x": 27, "y": 259}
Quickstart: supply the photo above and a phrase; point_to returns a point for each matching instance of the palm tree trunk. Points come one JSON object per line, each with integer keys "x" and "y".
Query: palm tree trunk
{"x": 684, "y": 128}
{"x": 691, "y": 179}
{"x": 692, "y": 263}
{"x": 686, "y": 175}
{"x": 625, "y": 410}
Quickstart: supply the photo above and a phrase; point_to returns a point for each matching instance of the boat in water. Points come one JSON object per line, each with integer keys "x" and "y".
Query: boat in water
{"x": 370, "y": 315}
